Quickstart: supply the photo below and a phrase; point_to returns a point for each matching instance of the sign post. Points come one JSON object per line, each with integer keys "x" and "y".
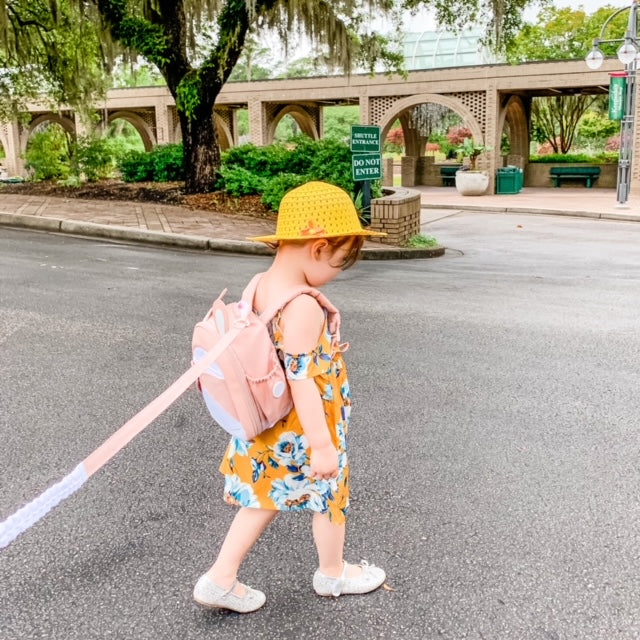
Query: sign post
{"x": 366, "y": 162}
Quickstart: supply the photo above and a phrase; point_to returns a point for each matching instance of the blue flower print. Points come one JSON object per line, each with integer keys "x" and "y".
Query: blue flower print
{"x": 291, "y": 450}
{"x": 239, "y": 492}
{"x": 297, "y": 367}
{"x": 295, "y": 493}
{"x": 328, "y": 393}
{"x": 239, "y": 447}
{"x": 345, "y": 392}
{"x": 258, "y": 469}
{"x": 320, "y": 355}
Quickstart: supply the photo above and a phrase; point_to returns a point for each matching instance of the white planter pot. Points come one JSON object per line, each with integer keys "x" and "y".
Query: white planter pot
{"x": 472, "y": 183}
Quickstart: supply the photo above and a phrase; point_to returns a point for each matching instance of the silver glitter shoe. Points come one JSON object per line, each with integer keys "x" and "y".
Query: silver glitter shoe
{"x": 209, "y": 595}
{"x": 369, "y": 580}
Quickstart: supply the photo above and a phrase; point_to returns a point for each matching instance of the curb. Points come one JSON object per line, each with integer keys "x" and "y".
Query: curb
{"x": 625, "y": 217}
{"x": 181, "y": 241}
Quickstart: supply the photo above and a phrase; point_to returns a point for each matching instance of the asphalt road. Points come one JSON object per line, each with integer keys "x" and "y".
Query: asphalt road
{"x": 494, "y": 443}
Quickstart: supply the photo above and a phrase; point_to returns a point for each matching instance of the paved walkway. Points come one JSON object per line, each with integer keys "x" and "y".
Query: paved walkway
{"x": 178, "y": 226}
{"x": 594, "y": 203}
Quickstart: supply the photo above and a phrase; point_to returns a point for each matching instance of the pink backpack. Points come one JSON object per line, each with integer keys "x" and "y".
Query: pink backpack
{"x": 245, "y": 387}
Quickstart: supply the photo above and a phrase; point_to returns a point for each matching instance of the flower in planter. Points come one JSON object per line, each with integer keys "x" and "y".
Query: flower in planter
{"x": 469, "y": 149}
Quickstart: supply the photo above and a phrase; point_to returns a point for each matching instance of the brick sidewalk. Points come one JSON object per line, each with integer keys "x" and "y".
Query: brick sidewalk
{"x": 169, "y": 219}
{"x": 139, "y": 215}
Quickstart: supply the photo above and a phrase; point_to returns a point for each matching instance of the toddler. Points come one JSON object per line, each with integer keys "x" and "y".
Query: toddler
{"x": 300, "y": 464}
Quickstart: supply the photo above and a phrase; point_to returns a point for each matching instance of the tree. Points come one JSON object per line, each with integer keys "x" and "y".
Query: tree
{"x": 165, "y": 33}
{"x": 338, "y": 121}
{"x": 564, "y": 34}
{"x": 253, "y": 62}
{"x": 557, "y": 118}
{"x": 47, "y": 51}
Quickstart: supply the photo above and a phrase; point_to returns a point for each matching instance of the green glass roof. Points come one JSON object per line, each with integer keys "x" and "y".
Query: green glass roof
{"x": 440, "y": 49}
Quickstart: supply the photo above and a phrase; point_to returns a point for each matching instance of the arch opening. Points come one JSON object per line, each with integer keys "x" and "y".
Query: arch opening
{"x": 514, "y": 133}
{"x": 124, "y": 136}
{"x": 138, "y": 123}
{"x": 423, "y": 134}
{"x": 297, "y": 121}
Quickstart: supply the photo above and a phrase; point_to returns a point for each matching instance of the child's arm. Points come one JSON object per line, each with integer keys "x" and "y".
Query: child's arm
{"x": 302, "y": 322}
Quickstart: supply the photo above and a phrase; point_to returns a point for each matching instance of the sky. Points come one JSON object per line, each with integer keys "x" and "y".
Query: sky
{"x": 427, "y": 22}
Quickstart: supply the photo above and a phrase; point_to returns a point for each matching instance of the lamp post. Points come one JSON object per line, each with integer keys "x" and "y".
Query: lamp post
{"x": 629, "y": 55}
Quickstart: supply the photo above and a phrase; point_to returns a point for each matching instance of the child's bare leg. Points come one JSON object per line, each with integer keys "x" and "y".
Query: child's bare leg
{"x": 329, "y": 538}
{"x": 243, "y": 533}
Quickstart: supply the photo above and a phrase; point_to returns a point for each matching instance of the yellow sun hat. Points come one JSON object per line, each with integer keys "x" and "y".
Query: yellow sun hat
{"x": 317, "y": 210}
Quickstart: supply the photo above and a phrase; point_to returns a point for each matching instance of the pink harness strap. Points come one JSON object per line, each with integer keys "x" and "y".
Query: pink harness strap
{"x": 33, "y": 511}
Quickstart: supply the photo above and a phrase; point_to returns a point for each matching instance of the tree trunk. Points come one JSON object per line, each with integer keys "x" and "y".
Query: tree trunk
{"x": 201, "y": 151}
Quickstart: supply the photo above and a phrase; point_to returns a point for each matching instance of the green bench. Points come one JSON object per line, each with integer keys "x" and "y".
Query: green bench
{"x": 448, "y": 174}
{"x": 588, "y": 174}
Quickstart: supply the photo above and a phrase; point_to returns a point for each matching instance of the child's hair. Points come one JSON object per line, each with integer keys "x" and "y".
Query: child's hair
{"x": 352, "y": 256}
{"x": 355, "y": 250}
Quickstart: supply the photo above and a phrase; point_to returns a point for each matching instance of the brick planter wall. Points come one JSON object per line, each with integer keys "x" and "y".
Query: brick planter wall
{"x": 397, "y": 213}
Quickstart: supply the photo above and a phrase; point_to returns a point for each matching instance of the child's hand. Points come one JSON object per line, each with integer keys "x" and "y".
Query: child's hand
{"x": 324, "y": 462}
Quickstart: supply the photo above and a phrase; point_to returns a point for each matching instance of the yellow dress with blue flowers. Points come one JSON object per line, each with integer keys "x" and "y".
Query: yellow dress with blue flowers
{"x": 272, "y": 471}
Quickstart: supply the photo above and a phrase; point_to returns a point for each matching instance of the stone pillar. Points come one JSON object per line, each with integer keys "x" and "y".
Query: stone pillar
{"x": 409, "y": 168}
{"x": 365, "y": 109}
{"x": 428, "y": 173}
{"x": 235, "y": 136}
{"x": 491, "y": 160}
{"x": 387, "y": 172}
{"x": 257, "y": 122}
{"x": 516, "y": 161}
{"x": 13, "y": 150}
{"x": 164, "y": 124}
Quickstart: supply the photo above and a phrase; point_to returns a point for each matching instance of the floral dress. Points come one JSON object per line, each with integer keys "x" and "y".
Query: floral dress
{"x": 272, "y": 471}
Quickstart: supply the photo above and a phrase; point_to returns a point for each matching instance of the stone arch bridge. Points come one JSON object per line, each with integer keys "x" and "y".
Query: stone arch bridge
{"x": 490, "y": 99}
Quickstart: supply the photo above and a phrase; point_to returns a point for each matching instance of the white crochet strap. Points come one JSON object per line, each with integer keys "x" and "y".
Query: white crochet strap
{"x": 28, "y": 515}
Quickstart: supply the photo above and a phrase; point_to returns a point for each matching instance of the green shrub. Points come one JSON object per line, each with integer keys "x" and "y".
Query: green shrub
{"x": 264, "y": 161}
{"x": 238, "y": 181}
{"x": 301, "y": 155}
{"x": 332, "y": 163}
{"x": 136, "y": 166}
{"x": 275, "y": 169}
{"x": 420, "y": 241}
{"x": 276, "y": 188}
{"x": 168, "y": 163}
{"x": 162, "y": 164}
{"x": 559, "y": 158}
{"x": 47, "y": 155}
{"x": 92, "y": 159}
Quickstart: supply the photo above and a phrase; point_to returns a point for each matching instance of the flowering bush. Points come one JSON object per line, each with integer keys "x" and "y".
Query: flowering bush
{"x": 456, "y": 135}
{"x": 613, "y": 144}
{"x": 394, "y": 142}
{"x": 546, "y": 148}
{"x": 396, "y": 136}
{"x": 432, "y": 147}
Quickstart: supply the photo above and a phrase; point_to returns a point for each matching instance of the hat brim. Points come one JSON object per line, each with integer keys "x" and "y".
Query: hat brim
{"x": 277, "y": 238}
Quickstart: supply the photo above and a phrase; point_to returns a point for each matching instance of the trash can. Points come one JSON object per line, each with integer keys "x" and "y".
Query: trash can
{"x": 509, "y": 180}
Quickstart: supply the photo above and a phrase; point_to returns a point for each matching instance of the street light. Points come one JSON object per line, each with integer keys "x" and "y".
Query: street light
{"x": 629, "y": 55}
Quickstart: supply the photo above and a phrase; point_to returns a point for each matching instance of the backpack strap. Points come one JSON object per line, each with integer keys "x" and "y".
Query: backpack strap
{"x": 333, "y": 315}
